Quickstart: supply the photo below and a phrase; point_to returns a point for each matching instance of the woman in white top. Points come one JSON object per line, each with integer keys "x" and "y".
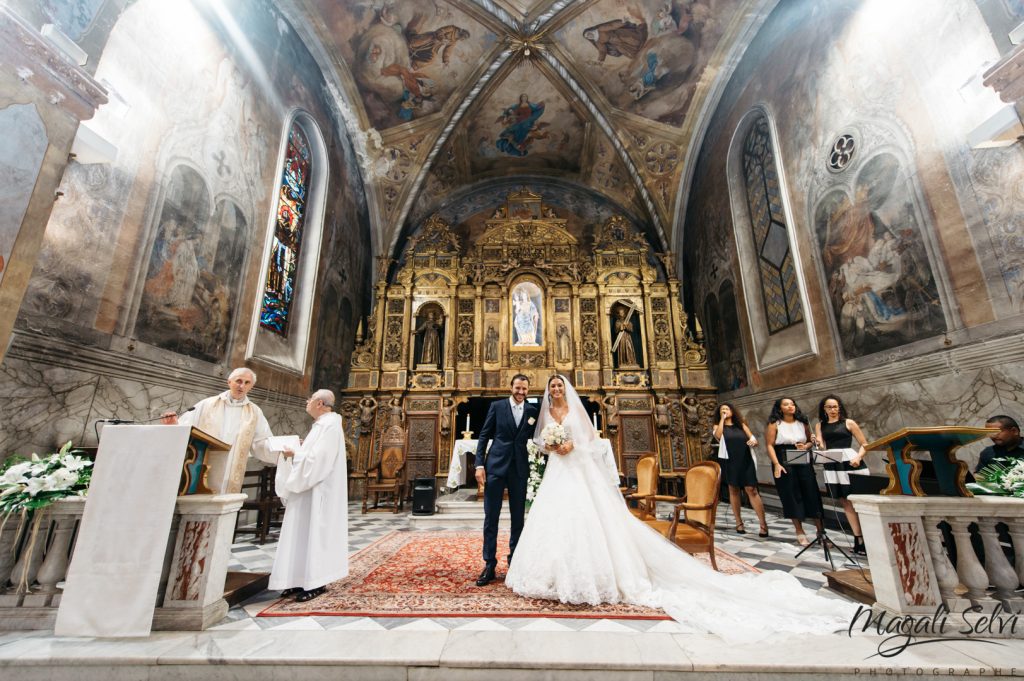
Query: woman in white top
{"x": 788, "y": 430}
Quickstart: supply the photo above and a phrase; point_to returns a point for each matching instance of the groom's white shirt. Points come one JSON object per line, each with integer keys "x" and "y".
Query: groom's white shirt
{"x": 517, "y": 410}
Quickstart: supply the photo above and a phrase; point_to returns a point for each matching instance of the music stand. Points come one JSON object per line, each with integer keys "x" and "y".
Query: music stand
{"x": 810, "y": 457}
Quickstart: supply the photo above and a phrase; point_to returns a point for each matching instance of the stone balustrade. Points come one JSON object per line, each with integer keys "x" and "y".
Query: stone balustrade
{"x": 911, "y": 570}
{"x": 191, "y": 590}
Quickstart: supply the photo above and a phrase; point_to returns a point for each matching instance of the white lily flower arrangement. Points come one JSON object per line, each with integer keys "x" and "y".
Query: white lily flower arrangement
{"x": 35, "y": 483}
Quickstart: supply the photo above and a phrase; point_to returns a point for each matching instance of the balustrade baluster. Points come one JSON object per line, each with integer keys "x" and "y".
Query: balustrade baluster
{"x": 968, "y": 567}
{"x": 1000, "y": 572}
{"x": 1016, "y": 528}
{"x": 945, "y": 573}
{"x": 8, "y": 538}
{"x": 55, "y": 564}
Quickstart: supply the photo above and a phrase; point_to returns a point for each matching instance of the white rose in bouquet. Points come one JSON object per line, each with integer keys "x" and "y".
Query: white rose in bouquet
{"x": 554, "y": 434}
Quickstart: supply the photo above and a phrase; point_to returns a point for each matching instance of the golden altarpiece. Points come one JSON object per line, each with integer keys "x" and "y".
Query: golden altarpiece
{"x": 454, "y": 322}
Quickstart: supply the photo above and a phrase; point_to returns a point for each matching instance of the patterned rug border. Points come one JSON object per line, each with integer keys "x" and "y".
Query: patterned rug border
{"x": 591, "y": 612}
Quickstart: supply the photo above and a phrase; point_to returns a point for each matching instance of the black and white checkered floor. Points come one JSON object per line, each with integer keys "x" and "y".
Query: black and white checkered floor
{"x": 777, "y": 552}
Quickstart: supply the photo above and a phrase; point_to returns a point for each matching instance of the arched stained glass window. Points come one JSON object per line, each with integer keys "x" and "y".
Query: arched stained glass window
{"x": 275, "y": 312}
{"x": 779, "y": 284}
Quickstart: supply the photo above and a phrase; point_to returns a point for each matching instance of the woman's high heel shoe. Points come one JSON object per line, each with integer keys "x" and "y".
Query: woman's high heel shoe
{"x": 763, "y": 532}
{"x": 858, "y": 545}
{"x": 740, "y": 529}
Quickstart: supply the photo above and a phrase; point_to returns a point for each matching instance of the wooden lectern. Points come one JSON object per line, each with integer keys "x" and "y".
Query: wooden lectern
{"x": 939, "y": 441}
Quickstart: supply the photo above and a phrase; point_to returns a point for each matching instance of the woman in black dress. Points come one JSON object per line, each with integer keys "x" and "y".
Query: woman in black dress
{"x": 740, "y": 469}
{"x": 836, "y": 431}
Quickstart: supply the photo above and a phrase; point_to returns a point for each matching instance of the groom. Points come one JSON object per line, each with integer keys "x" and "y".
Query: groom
{"x": 508, "y": 427}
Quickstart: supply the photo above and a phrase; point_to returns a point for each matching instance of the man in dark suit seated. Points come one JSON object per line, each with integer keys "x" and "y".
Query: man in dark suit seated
{"x": 509, "y": 425}
{"x": 1006, "y": 444}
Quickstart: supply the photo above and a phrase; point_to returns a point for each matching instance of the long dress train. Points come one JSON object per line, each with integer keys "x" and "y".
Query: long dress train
{"x": 581, "y": 545}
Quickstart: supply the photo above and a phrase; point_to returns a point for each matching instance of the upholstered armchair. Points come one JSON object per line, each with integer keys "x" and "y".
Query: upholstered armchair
{"x": 386, "y": 479}
{"x": 692, "y": 527}
{"x": 645, "y": 494}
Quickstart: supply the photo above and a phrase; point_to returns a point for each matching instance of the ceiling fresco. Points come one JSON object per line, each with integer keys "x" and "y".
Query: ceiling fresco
{"x": 525, "y": 125}
{"x": 604, "y": 94}
{"x": 646, "y": 56}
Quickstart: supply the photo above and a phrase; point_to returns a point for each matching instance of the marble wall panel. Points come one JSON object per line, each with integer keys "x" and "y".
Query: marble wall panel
{"x": 42, "y": 406}
{"x": 22, "y": 147}
{"x": 124, "y": 398}
{"x": 1008, "y": 383}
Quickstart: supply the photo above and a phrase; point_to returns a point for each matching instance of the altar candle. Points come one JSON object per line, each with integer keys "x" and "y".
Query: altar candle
{"x": 595, "y": 420}
{"x": 467, "y": 422}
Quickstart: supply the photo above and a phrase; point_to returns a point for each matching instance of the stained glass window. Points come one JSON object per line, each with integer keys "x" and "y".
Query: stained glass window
{"x": 275, "y": 313}
{"x": 777, "y": 271}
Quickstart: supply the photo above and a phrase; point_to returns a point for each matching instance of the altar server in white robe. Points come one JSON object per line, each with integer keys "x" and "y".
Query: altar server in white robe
{"x": 232, "y": 418}
{"x": 313, "y": 484}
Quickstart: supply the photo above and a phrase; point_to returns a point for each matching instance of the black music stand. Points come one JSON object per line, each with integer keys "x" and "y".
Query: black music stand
{"x": 810, "y": 457}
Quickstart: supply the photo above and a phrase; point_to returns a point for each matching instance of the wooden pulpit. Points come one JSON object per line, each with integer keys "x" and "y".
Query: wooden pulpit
{"x": 941, "y": 442}
{"x": 201, "y": 451}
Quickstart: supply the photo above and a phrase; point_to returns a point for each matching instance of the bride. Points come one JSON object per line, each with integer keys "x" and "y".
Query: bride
{"x": 581, "y": 545}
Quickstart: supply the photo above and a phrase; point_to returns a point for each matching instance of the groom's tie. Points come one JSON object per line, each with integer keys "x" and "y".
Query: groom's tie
{"x": 517, "y": 413}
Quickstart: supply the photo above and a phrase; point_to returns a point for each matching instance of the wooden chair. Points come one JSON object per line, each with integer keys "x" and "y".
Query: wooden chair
{"x": 645, "y": 494}
{"x": 692, "y": 526}
{"x": 387, "y": 478}
{"x": 265, "y": 502}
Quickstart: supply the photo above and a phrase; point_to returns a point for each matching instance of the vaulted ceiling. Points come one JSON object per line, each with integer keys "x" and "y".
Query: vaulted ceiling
{"x": 606, "y": 94}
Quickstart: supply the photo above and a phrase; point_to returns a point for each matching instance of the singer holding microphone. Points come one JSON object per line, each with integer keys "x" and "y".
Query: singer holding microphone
{"x": 789, "y": 431}
{"x": 232, "y": 418}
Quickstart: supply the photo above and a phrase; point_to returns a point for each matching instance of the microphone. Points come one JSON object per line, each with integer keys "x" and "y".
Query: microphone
{"x": 124, "y": 422}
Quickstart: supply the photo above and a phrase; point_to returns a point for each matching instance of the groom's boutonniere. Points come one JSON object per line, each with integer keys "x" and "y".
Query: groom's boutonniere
{"x": 531, "y": 420}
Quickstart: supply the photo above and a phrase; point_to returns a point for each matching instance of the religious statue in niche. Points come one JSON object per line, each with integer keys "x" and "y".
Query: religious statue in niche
{"x": 491, "y": 345}
{"x": 564, "y": 344}
{"x": 623, "y": 344}
{"x": 430, "y": 345}
{"x": 527, "y": 324}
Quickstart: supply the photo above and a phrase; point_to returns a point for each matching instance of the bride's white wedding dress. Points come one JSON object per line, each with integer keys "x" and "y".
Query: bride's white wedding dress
{"x": 581, "y": 545}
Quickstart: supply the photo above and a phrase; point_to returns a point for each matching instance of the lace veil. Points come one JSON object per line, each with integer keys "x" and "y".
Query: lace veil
{"x": 581, "y": 431}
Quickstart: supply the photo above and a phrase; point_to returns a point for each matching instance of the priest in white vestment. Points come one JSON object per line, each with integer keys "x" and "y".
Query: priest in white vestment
{"x": 313, "y": 484}
{"x": 232, "y": 418}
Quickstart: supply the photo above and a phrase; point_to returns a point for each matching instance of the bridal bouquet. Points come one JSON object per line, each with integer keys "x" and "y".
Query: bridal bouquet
{"x": 35, "y": 483}
{"x": 554, "y": 434}
{"x": 1002, "y": 477}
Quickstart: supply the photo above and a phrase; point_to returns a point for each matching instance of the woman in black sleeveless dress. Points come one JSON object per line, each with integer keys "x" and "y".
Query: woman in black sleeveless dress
{"x": 836, "y": 431}
{"x": 740, "y": 470}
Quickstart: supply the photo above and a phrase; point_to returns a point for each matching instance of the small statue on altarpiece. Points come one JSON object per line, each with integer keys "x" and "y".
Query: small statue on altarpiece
{"x": 611, "y": 413}
{"x": 446, "y": 416}
{"x": 367, "y": 406}
{"x": 491, "y": 345}
{"x": 624, "y": 335}
{"x": 661, "y": 416}
{"x": 564, "y": 344}
{"x": 430, "y": 349}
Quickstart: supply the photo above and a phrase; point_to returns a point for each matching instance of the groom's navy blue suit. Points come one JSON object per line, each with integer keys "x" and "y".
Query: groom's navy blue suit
{"x": 506, "y": 465}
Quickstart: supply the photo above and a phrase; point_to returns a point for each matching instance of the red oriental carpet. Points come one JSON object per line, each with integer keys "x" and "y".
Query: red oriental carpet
{"x": 432, "y": 574}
